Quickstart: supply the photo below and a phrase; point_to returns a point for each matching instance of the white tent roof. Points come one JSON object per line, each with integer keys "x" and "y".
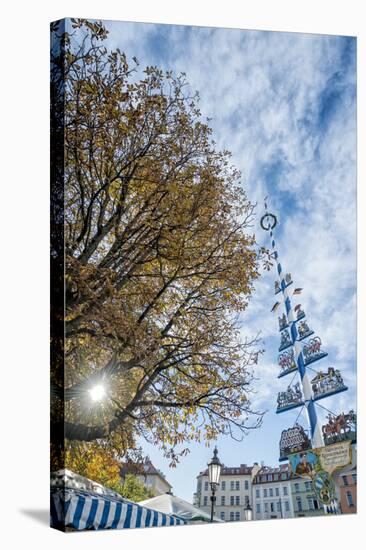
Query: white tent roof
{"x": 170, "y": 504}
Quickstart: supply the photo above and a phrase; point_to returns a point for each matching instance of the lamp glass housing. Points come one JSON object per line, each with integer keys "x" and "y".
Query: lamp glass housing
{"x": 214, "y": 469}
{"x": 214, "y": 473}
{"x": 248, "y": 513}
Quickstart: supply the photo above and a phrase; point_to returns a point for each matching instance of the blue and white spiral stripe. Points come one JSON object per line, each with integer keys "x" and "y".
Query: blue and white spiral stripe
{"x": 315, "y": 428}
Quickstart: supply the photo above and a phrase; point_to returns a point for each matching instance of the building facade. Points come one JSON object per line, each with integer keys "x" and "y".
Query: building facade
{"x": 277, "y": 493}
{"x": 304, "y": 500}
{"x": 232, "y": 495}
{"x": 272, "y": 493}
{"x": 347, "y": 483}
{"x": 150, "y": 476}
{"x": 272, "y": 490}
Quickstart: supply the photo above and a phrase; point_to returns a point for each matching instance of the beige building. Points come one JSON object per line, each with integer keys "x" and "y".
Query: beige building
{"x": 150, "y": 476}
{"x": 232, "y": 495}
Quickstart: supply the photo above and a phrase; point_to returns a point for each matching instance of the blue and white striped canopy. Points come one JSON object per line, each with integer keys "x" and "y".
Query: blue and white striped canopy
{"x": 82, "y": 510}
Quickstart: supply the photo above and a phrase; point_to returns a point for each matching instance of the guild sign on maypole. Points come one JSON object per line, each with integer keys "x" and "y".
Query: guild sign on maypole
{"x": 298, "y": 349}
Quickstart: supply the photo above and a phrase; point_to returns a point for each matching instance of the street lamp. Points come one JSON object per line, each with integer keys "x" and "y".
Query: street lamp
{"x": 248, "y": 512}
{"x": 214, "y": 470}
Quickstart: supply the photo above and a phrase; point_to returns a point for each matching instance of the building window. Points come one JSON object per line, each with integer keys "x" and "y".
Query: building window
{"x": 299, "y": 504}
{"x": 231, "y": 501}
{"x": 246, "y": 500}
{"x": 223, "y": 485}
{"x": 345, "y": 480}
{"x": 349, "y": 499}
{"x": 283, "y": 476}
{"x": 232, "y": 485}
{"x": 278, "y": 506}
{"x": 270, "y": 477}
{"x": 204, "y": 501}
{"x": 285, "y": 492}
{"x": 287, "y": 506}
{"x": 310, "y": 504}
{"x": 222, "y": 501}
{"x": 237, "y": 501}
{"x": 231, "y": 516}
{"x": 272, "y": 506}
{"x": 206, "y": 485}
{"x": 271, "y": 492}
{"x": 258, "y": 508}
{"x": 266, "y": 506}
{"x": 308, "y": 485}
{"x": 316, "y": 504}
{"x": 275, "y": 477}
{"x": 257, "y": 493}
{"x": 237, "y": 516}
{"x": 297, "y": 488}
{"x": 222, "y": 515}
{"x": 354, "y": 478}
{"x": 264, "y": 492}
{"x": 246, "y": 485}
{"x": 277, "y": 492}
{"x": 237, "y": 485}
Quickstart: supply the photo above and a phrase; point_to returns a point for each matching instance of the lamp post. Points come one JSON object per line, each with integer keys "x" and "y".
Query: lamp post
{"x": 214, "y": 470}
{"x": 248, "y": 512}
{"x": 280, "y": 501}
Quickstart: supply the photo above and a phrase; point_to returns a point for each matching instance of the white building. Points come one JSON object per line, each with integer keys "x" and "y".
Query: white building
{"x": 272, "y": 493}
{"x": 279, "y": 494}
{"x": 232, "y": 495}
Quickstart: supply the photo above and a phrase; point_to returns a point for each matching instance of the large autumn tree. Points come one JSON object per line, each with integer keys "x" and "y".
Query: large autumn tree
{"x": 160, "y": 257}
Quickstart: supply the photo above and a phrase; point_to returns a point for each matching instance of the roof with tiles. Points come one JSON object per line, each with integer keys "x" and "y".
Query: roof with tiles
{"x": 267, "y": 474}
{"x": 145, "y": 468}
{"x": 241, "y": 470}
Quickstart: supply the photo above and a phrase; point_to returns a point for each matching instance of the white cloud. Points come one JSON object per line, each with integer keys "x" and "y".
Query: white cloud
{"x": 282, "y": 101}
{"x": 272, "y": 85}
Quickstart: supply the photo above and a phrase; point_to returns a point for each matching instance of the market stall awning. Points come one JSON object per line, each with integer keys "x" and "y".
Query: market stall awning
{"x": 81, "y": 510}
{"x": 175, "y": 505}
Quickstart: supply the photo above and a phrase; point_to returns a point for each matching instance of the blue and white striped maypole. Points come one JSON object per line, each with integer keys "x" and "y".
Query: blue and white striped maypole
{"x": 268, "y": 223}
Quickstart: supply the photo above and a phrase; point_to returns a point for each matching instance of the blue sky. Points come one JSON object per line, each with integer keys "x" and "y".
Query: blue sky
{"x": 284, "y": 104}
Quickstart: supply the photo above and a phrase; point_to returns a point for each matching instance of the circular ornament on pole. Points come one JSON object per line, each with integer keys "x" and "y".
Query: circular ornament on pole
{"x": 268, "y": 221}
{"x": 324, "y": 487}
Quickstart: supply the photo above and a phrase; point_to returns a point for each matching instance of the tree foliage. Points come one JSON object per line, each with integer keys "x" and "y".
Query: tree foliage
{"x": 160, "y": 256}
{"x": 95, "y": 462}
{"x": 135, "y": 490}
{"x": 99, "y": 463}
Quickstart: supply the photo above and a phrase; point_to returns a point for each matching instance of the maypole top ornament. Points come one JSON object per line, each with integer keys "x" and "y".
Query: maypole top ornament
{"x": 268, "y": 221}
